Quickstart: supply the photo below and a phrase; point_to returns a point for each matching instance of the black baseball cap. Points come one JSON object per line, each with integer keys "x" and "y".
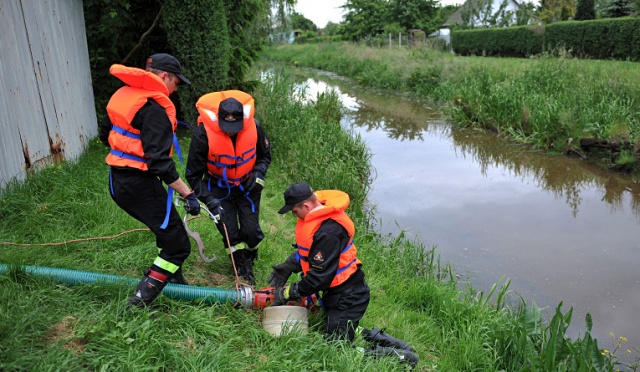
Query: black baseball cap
{"x": 296, "y": 193}
{"x": 168, "y": 63}
{"x": 231, "y": 115}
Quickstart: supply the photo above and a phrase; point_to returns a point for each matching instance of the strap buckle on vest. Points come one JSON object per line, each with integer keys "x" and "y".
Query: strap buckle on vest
{"x": 124, "y": 132}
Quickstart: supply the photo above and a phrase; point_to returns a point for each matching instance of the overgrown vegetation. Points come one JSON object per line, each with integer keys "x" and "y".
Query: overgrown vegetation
{"x": 552, "y": 101}
{"x": 216, "y": 42}
{"x": 48, "y": 326}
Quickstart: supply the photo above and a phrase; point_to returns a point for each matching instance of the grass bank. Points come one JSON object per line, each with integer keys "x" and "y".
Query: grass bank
{"x": 580, "y": 107}
{"x": 47, "y": 326}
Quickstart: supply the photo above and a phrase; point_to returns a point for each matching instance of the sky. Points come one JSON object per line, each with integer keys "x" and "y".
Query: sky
{"x": 321, "y": 12}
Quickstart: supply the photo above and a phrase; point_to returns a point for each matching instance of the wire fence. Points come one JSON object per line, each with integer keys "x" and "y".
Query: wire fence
{"x": 400, "y": 40}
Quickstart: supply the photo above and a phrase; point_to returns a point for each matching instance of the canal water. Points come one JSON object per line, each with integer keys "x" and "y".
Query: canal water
{"x": 560, "y": 229}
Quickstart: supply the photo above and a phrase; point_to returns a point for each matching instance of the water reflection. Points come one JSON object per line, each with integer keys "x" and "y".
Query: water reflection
{"x": 397, "y": 120}
{"x": 557, "y": 227}
{"x": 406, "y": 118}
{"x": 563, "y": 176}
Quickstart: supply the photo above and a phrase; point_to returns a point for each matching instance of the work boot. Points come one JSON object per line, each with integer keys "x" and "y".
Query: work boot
{"x": 250, "y": 256}
{"x": 379, "y": 337}
{"x": 244, "y": 265}
{"x": 402, "y": 356}
{"x": 176, "y": 278}
{"x": 148, "y": 289}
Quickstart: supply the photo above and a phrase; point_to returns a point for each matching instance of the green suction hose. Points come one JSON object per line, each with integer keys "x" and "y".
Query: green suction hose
{"x": 244, "y": 295}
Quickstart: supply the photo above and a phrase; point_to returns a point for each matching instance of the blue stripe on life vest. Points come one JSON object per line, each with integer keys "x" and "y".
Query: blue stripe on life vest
{"x": 124, "y": 132}
{"x": 347, "y": 247}
{"x": 122, "y": 154}
{"x": 346, "y": 267}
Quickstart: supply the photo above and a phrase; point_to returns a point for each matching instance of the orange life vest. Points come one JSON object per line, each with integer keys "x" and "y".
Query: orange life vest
{"x": 225, "y": 161}
{"x": 126, "y": 146}
{"x": 335, "y": 202}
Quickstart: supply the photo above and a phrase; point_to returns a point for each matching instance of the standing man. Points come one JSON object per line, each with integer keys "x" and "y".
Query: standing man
{"x": 228, "y": 159}
{"x": 326, "y": 256}
{"x": 140, "y": 129}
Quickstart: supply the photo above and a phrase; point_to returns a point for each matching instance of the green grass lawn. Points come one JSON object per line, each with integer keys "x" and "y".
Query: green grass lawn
{"x": 45, "y": 325}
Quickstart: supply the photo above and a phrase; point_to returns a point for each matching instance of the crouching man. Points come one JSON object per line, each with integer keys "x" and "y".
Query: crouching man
{"x": 327, "y": 258}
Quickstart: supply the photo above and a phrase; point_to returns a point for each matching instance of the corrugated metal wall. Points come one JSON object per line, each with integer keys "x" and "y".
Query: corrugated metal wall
{"x": 47, "y": 111}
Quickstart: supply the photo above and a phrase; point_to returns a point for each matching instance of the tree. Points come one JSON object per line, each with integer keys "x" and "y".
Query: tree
{"x": 204, "y": 51}
{"x": 481, "y": 13}
{"x": 247, "y": 22}
{"x": 616, "y": 8}
{"x": 216, "y": 41}
{"x": 279, "y": 20}
{"x": 363, "y": 18}
{"x": 525, "y": 14}
{"x": 585, "y": 10}
{"x": 114, "y": 29}
{"x": 556, "y": 10}
{"x": 331, "y": 28}
{"x": 414, "y": 14}
{"x": 300, "y": 22}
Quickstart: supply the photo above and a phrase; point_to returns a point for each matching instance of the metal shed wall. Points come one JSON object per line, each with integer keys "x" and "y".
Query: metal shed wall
{"x": 47, "y": 111}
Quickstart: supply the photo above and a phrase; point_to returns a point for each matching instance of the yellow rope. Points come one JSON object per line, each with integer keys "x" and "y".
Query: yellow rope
{"x": 74, "y": 240}
{"x": 83, "y": 239}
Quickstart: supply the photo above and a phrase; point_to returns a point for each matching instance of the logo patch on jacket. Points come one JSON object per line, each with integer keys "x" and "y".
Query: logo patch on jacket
{"x": 318, "y": 257}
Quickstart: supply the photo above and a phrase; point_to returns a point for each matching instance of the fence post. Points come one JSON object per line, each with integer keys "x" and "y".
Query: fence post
{"x": 399, "y": 39}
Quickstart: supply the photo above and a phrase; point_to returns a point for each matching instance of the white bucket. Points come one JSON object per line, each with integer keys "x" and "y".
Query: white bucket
{"x": 284, "y": 319}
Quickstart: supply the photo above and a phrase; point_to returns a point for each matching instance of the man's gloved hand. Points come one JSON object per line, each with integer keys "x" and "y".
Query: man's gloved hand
{"x": 281, "y": 273}
{"x": 286, "y": 294}
{"x": 191, "y": 204}
{"x": 213, "y": 205}
{"x": 255, "y": 183}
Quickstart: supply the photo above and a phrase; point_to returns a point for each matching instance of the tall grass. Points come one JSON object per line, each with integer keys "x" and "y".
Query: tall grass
{"x": 47, "y": 326}
{"x": 550, "y": 102}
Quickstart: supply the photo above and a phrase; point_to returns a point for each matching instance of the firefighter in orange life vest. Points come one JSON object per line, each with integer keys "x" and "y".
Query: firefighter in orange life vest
{"x": 228, "y": 159}
{"x": 140, "y": 130}
{"x": 327, "y": 257}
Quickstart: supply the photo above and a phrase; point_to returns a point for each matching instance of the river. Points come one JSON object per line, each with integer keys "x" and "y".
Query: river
{"x": 559, "y": 228}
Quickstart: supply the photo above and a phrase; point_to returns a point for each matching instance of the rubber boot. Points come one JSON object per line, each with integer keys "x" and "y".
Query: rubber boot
{"x": 402, "y": 356}
{"x": 379, "y": 337}
{"x": 244, "y": 265}
{"x": 148, "y": 289}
